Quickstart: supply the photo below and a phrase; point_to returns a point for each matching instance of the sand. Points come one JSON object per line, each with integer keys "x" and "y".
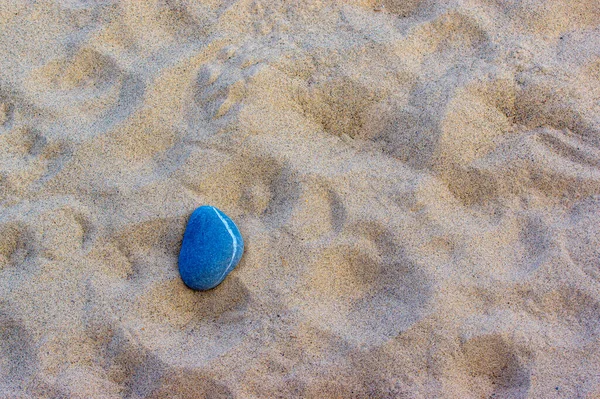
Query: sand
{"x": 417, "y": 183}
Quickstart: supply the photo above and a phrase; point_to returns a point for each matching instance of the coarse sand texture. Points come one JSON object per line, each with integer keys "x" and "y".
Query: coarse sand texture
{"x": 417, "y": 185}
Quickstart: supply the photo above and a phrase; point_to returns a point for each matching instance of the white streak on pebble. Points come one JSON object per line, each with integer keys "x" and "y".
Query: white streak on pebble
{"x": 232, "y": 237}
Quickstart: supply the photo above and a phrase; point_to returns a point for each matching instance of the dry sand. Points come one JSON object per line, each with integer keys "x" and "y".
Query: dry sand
{"x": 417, "y": 182}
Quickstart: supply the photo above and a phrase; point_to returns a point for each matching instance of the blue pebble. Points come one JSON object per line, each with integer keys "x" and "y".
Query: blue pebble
{"x": 212, "y": 247}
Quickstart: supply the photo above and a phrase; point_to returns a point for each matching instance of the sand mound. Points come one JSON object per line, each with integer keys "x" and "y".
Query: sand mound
{"x": 417, "y": 183}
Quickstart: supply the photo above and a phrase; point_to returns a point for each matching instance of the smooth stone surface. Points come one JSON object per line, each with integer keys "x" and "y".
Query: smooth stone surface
{"x": 212, "y": 247}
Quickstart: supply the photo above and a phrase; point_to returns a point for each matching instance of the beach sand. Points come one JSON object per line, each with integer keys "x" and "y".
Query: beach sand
{"x": 417, "y": 184}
